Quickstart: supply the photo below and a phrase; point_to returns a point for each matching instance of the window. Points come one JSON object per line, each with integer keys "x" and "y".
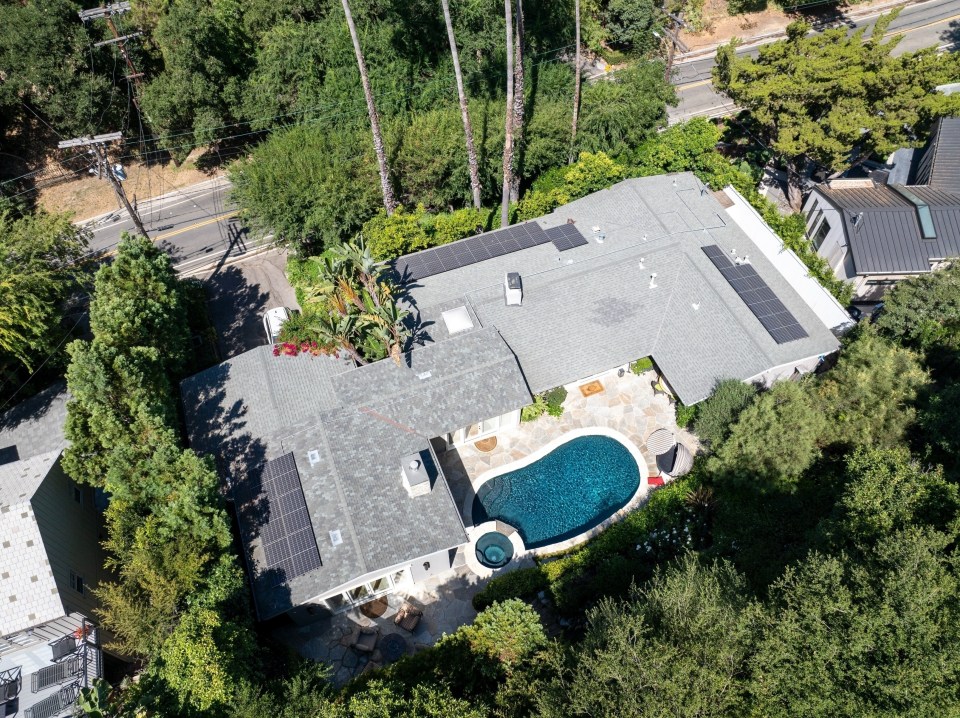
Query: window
{"x": 76, "y": 582}
{"x": 821, "y": 234}
{"x": 814, "y": 215}
{"x": 77, "y": 492}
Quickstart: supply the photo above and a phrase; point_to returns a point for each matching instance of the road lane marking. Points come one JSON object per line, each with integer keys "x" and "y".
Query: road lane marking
{"x": 94, "y": 255}
{"x": 691, "y": 85}
{"x": 921, "y": 27}
{"x": 701, "y": 83}
{"x": 193, "y": 226}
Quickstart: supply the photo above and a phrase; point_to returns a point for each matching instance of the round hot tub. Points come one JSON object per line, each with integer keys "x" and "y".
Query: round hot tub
{"x": 494, "y": 550}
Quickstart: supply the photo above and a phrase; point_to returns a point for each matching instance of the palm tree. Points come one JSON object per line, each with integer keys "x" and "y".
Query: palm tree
{"x": 576, "y": 87}
{"x": 464, "y": 108}
{"x": 508, "y": 134}
{"x": 388, "y": 201}
{"x": 518, "y": 98}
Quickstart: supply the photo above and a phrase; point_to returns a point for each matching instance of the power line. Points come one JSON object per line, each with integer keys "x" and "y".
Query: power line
{"x": 43, "y": 363}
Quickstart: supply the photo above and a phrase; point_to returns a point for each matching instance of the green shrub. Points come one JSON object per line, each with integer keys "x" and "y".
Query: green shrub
{"x": 520, "y": 583}
{"x": 533, "y": 411}
{"x": 718, "y": 413}
{"x": 685, "y": 414}
{"x": 507, "y": 632}
{"x": 641, "y": 365}
{"x": 574, "y": 577}
{"x": 556, "y": 397}
{"x": 450, "y": 227}
{"x": 555, "y": 410}
{"x": 396, "y": 235}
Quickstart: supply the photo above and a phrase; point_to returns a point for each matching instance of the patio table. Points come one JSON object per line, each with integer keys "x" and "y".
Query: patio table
{"x": 393, "y": 647}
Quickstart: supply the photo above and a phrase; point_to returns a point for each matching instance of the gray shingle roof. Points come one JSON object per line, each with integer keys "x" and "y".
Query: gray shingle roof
{"x": 591, "y": 308}
{"x": 361, "y": 421}
{"x": 34, "y": 426}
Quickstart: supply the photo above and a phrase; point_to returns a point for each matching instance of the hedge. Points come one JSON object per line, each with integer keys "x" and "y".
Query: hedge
{"x": 605, "y": 564}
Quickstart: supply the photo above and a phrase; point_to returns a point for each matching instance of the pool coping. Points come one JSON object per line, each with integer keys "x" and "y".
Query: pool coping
{"x": 632, "y": 504}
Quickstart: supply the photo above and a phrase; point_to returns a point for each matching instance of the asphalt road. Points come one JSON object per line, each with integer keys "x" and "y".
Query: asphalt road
{"x": 197, "y": 225}
{"x": 936, "y": 22}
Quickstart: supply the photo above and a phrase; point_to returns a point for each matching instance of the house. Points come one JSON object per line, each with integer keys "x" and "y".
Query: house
{"x": 50, "y": 559}
{"x": 340, "y": 496}
{"x": 899, "y": 222}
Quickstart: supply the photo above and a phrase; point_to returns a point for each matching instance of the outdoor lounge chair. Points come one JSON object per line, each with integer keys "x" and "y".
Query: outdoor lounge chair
{"x": 366, "y": 640}
{"x": 408, "y": 617}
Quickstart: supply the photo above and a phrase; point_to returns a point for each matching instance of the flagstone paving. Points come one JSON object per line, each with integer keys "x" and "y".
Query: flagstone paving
{"x": 627, "y": 404}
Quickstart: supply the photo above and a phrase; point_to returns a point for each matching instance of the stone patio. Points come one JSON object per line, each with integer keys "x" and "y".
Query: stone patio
{"x": 627, "y": 404}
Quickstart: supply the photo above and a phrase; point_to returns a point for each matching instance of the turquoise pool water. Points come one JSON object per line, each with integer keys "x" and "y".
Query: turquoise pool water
{"x": 494, "y": 550}
{"x": 573, "y": 488}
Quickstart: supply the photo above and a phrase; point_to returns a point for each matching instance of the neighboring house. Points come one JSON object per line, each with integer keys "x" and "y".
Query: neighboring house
{"x": 900, "y": 222}
{"x": 339, "y": 493}
{"x": 50, "y": 559}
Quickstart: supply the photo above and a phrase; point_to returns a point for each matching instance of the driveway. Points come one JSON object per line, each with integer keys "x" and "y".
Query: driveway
{"x": 239, "y": 294}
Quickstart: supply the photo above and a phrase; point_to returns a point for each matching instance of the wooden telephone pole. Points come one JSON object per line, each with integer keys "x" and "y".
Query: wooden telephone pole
{"x": 106, "y": 13}
{"x": 98, "y": 147}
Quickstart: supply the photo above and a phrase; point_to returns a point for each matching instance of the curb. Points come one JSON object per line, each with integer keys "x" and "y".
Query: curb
{"x": 757, "y": 40}
{"x": 269, "y": 244}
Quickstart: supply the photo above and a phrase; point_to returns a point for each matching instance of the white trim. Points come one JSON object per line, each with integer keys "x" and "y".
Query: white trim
{"x": 639, "y": 495}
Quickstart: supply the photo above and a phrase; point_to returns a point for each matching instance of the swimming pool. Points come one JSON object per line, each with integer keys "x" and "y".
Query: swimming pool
{"x": 569, "y": 489}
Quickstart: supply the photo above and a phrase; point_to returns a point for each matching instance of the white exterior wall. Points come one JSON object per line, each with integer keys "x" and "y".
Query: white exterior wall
{"x": 834, "y": 247}
{"x": 823, "y": 304}
{"x": 72, "y": 532}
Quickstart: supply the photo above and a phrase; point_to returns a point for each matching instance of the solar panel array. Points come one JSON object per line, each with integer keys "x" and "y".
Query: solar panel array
{"x": 279, "y": 512}
{"x": 765, "y": 305}
{"x": 441, "y": 259}
{"x": 566, "y": 236}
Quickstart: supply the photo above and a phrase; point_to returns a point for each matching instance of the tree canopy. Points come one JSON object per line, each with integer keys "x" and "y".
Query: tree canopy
{"x": 837, "y": 98}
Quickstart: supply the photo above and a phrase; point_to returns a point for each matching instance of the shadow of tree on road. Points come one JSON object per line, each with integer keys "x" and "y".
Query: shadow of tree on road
{"x": 951, "y": 36}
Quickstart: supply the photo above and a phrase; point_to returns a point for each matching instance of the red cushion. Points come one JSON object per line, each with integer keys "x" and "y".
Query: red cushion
{"x": 655, "y": 481}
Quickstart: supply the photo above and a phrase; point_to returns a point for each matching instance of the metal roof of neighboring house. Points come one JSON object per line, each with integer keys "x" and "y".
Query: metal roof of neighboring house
{"x": 591, "y": 308}
{"x": 940, "y": 164}
{"x": 886, "y": 232}
{"x": 359, "y": 422}
{"x": 883, "y": 230}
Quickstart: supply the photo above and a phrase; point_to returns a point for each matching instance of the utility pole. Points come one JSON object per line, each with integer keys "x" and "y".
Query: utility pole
{"x": 98, "y": 147}
{"x": 672, "y": 33}
{"x": 106, "y": 13}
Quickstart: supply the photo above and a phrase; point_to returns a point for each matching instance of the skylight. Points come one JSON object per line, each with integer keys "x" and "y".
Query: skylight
{"x": 923, "y": 212}
{"x": 457, "y": 320}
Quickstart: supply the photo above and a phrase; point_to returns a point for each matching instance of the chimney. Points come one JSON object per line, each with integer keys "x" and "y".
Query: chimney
{"x": 513, "y": 289}
{"x": 416, "y": 480}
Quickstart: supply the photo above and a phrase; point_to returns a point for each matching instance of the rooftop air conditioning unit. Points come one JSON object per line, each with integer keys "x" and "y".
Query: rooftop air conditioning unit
{"x": 513, "y": 289}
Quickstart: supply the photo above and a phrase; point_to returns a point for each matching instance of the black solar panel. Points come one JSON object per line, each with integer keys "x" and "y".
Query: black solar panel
{"x": 565, "y": 237}
{"x": 765, "y": 305}
{"x": 468, "y": 251}
{"x": 274, "y": 509}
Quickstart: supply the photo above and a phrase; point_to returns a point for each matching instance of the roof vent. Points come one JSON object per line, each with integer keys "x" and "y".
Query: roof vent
{"x": 513, "y": 289}
{"x": 424, "y": 375}
{"x": 415, "y": 478}
{"x": 313, "y": 456}
{"x": 336, "y": 538}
